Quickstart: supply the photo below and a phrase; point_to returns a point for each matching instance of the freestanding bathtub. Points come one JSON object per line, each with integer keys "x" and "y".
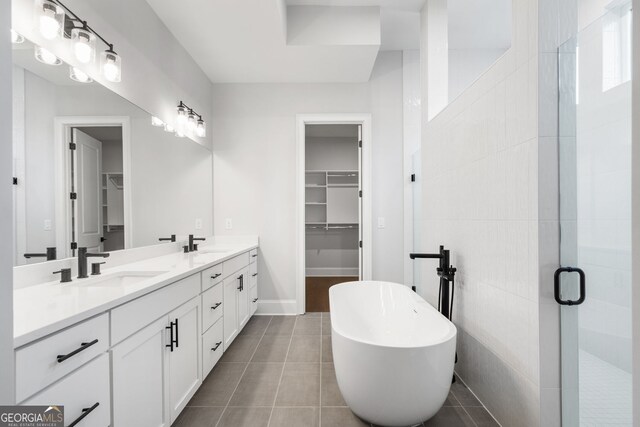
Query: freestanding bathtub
{"x": 393, "y": 352}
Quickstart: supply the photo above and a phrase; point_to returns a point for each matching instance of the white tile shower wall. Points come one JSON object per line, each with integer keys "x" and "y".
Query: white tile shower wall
{"x": 480, "y": 199}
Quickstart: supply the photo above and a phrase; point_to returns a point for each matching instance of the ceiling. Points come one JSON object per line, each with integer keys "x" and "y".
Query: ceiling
{"x": 479, "y": 24}
{"x": 248, "y": 41}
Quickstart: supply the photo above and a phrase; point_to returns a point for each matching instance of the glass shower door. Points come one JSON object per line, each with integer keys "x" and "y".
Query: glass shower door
{"x": 416, "y": 162}
{"x": 593, "y": 284}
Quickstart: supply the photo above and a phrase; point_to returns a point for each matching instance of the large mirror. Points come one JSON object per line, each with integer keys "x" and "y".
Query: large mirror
{"x": 90, "y": 169}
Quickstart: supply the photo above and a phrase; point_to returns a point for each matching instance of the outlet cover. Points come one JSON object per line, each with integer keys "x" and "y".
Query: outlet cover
{"x": 198, "y": 223}
{"x": 228, "y": 224}
{"x": 381, "y": 222}
{"x": 47, "y": 225}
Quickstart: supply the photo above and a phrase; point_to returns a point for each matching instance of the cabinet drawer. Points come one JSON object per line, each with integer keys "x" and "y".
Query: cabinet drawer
{"x": 39, "y": 364}
{"x": 253, "y": 300}
{"x": 212, "y": 306}
{"x": 211, "y": 276}
{"x": 253, "y": 255}
{"x": 234, "y": 264}
{"x": 212, "y": 347}
{"x": 253, "y": 274}
{"x": 135, "y": 315}
{"x": 88, "y": 387}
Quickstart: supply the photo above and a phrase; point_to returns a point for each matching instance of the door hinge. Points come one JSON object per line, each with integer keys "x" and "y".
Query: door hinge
{"x": 360, "y": 144}
{"x": 413, "y": 177}
{"x": 15, "y": 180}
{"x": 360, "y": 243}
{"x": 72, "y": 146}
{"x": 74, "y": 245}
{"x": 360, "y": 193}
{"x": 73, "y": 196}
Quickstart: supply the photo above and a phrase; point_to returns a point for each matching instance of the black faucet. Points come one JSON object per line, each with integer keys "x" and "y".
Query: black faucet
{"x": 82, "y": 261}
{"x": 168, "y": 239}
{"x": 50, "y": 255}
{"x": 193, "y": 247}
{"x": 447, "y": 274}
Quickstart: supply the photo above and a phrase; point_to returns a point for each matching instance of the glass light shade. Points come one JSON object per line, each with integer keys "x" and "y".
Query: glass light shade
{"x": 111, "y": 66}
{"x": 84, "y": 45}
{"x": 46, "y": 57}
{"x": 156, "y": 121}
{"x": 50, "y": 19}
{"x": 201, "y": 129}
{"x": 180, "y": 134}
{"x": 16, "y": 38}
{"x": 191, "y": 122}
{"x": 169, "y": 128}
{"x": 182, "y": 116}
{"x": 78, "y": 75}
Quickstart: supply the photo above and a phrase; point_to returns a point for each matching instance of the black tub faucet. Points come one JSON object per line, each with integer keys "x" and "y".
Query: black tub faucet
{"x": 193, "y": 247}
{"x": 82, "y": 261}
{"x": 50, "y": 255}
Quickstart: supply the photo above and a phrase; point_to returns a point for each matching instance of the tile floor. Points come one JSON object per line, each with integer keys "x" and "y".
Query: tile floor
{"x": 279, "y": 372}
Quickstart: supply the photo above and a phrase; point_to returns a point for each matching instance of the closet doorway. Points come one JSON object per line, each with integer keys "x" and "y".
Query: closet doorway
{"x": 334, "y": 209}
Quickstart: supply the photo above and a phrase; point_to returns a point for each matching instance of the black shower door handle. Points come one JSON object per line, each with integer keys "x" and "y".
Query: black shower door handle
{"x": 556, "y": 285}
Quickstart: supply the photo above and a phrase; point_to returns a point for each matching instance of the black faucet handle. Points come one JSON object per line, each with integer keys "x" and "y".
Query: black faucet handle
{"x": 95, "y": 268}
{"x": 65, "y": 275}
{"x": 168, "y": 239}
{"x": 185, "y": 248}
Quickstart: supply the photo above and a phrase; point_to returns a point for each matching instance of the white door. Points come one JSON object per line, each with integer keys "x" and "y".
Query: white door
{"x": 243, "y": 297}
{"x": 360, "y": 243}
{"x": 139, "y": 368}
{"x": 231, "y": 285}
{"x": 88, "y": 187}
{"x": 184, "y": 360}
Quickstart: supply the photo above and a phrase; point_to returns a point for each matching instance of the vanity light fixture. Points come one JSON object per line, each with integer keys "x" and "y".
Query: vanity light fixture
{"x": 46, "y": 57}
{"x": 156, "y": 121}
{"x": 50, "y": 18}
{"x": 189, "y": 122}
{"x": 55, "y": 19}
{"x": 169, "y": 128}
{"x": 16, "y": 38}
{"x": 78, "y": 75}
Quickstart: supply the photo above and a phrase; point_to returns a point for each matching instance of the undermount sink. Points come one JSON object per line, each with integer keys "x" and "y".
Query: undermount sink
{"x": 121, "y": 279}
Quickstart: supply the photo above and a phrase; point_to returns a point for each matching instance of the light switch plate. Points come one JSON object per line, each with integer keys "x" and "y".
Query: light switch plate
{"x": 381, "y": 222}
{"x": 198, "y": 223}
{"x": 47, "y": 225}
{"x": 228, "y": 224}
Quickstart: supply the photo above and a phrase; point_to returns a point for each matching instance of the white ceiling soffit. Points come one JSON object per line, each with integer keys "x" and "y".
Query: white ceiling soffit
{"x": 247, "y": 41}
{"x": 479, "y": 24}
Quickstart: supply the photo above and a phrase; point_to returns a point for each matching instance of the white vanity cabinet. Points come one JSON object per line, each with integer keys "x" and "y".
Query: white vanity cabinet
{"x": 231, "y": 289}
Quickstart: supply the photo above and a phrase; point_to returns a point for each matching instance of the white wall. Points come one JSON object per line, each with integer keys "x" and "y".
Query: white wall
{"x": 254, "y": 166}
{"x": 480, "y": 200}
{"x": 466, "y": 65}
{"x": 635, "y": 220}
{"x": 6, "y": 213}
{"x": 171, "y": 178}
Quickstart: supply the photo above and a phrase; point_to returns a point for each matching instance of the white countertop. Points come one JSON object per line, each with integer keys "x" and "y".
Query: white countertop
{"x": 42, "y": 309}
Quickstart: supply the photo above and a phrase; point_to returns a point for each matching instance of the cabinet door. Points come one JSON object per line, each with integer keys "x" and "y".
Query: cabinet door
{"x": 185, "y": 360}
{"x": 243, "y": 298}
{"x": 231, "y": 291}
{"x": 139, "y": 368}
{"x": 253, "y": 300}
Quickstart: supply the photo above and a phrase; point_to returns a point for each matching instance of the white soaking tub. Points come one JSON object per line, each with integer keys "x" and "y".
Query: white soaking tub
{"x": 393, "y": 352}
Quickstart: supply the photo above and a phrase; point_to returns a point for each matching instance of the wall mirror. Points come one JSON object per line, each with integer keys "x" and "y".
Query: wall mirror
{"x": 90, "y": 169}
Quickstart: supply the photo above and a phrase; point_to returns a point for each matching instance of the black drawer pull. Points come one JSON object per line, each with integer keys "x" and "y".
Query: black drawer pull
{"x": 254, "y": 274}
{"x": 172, "y": 340}
{"x": 255, "y": 300}
{"x": 254, "y": 255}
{"x": 85, "y": 412}
{"x": 215, "y": 276}
{"x": 217, "y": 345}
{"x": 83, "y": 346}
{"x": 218, "y": 304}
{"x": 177, "y": 344}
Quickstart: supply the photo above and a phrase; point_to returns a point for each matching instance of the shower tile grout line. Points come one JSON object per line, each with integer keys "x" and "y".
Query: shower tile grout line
{"x": 283, "y": 367}
{"x": 243, "y": 372}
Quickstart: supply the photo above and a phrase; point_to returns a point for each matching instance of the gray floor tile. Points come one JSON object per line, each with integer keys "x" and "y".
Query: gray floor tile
{"x": 307, "y": 325}
{"x": 272, "y": 348}
{"x": 450, "y": 416}
{"x": 330, "y": 393}
{"x": 451, "y": 400}
{"x": 257, "y": 325}
{"x": 327, "y": 353}
{"x": 245, "y": 417}
{"x": 312, "y": 314}
{"x": 481, "y": 416}
{"x": 343, "y": 417}
{"x": 258, "y": 385}
{"x": 217, "y": 388}
{"x": 304, "y": 348}
{"x": 300, "y": 385}
{"x": 326, "y": 326}
{"x": 241, "y": 349}
{"x": 295, "y": 417}
{"x": 199, "y": 416}
{"x": 463, "y": 395}
{"x": 281, "y": 325}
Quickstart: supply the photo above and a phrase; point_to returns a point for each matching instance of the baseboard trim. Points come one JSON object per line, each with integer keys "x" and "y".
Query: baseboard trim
{"x": 338, "y": 271}
{"x": 277, "y": 307}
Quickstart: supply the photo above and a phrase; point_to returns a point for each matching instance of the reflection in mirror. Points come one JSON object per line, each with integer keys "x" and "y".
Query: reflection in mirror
{"x": 81, "y": 154}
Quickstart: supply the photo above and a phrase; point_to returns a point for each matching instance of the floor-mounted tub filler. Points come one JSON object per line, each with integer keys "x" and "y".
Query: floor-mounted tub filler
{"x": 393, "y": 352}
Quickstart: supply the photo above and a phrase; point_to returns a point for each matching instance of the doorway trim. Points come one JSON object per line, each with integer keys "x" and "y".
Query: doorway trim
{"x": 62, "y": 125}
{"x": 331, "y": 119}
